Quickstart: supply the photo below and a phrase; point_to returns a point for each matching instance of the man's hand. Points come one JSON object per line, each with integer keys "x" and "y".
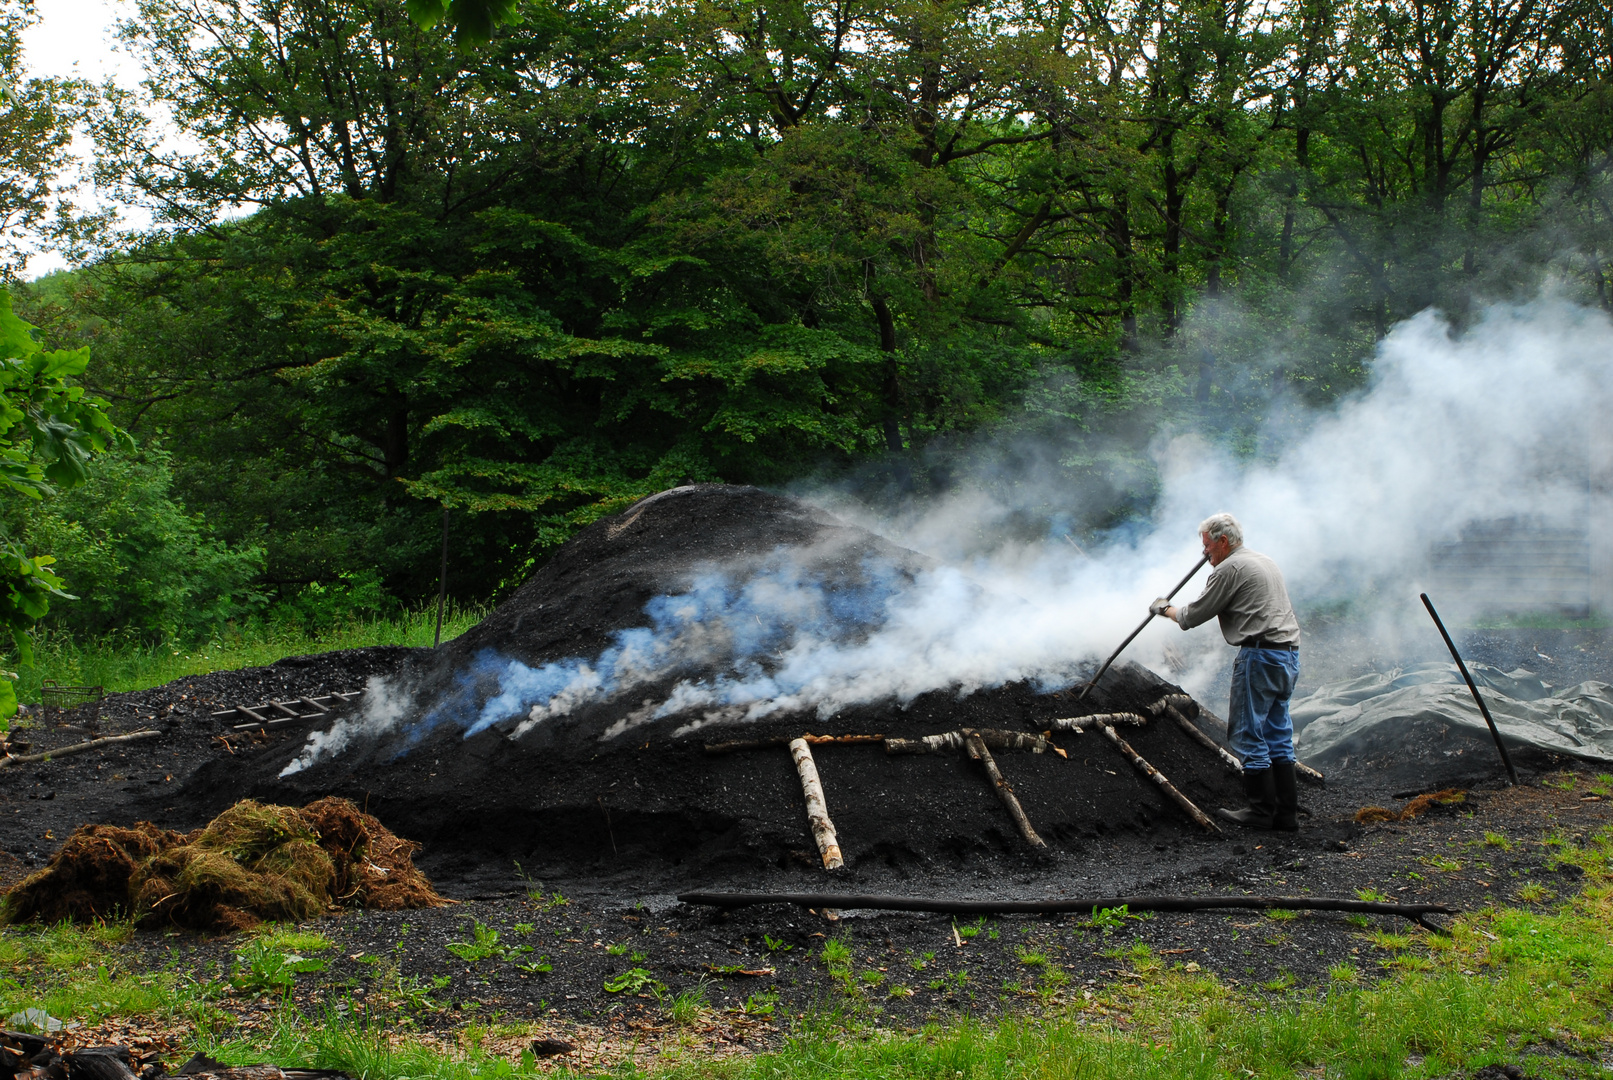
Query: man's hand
{"x": 1160, "y": 606}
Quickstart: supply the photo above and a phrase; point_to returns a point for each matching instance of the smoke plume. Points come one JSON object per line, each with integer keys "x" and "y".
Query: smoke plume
{"x": 1502, "y": 421}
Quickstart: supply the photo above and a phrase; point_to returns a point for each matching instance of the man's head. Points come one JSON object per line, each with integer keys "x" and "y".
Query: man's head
{"x": 1222, "y": 535}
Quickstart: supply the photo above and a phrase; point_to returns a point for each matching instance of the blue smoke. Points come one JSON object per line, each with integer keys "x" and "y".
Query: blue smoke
{"x": 720, "y": 625}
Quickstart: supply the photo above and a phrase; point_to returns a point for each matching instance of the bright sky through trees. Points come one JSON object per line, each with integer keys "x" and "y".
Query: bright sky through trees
{"x": 77, "y": 38}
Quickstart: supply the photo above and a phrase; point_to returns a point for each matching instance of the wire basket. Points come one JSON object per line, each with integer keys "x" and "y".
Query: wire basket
{"x": 53, "y": 695}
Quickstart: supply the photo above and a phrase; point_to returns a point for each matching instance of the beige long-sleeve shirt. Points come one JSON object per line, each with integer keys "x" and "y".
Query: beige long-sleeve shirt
{"x": 1246, "y": 592}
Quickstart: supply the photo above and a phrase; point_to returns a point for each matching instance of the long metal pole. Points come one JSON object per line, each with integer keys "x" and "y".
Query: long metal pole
{"x": 1483, "y": 708}
{"x": 1140, "y": 628}
{"x": 442, "y": 577}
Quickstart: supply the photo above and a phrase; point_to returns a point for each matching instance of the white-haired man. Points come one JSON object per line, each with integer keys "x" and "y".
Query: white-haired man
{"x": 1246, "y": 593}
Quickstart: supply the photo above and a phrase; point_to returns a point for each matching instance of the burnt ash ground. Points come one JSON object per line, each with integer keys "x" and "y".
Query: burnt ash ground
{"x": 620, "y": 899}
{"x": 996, "y": 972}
{"x": 619, "y": 828}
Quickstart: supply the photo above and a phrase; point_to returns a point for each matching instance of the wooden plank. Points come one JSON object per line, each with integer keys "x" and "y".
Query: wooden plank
{"x": 250, "y": 712}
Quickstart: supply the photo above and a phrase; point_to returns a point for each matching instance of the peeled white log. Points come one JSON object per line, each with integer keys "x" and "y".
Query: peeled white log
{"x": 1183, "y": 702}
{"x": 954, "y": 740}
{"x": 1305, "y": 771}
{"x": 1109, "y": 719}
{"x": 823, "y": 830}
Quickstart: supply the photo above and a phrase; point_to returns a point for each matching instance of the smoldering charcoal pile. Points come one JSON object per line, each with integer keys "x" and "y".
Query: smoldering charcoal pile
{"x": 608, "y": 781}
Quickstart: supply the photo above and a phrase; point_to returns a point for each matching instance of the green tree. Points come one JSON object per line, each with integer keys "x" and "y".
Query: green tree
{"x": 139, "y": 564}
{"x": 49, "y": 429}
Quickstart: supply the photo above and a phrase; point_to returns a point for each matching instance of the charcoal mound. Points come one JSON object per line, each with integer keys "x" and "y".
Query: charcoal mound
{"x": 545, "y": 734}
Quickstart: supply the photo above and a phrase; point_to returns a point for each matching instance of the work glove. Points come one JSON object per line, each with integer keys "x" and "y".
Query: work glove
{"x": 1158, "y": 606}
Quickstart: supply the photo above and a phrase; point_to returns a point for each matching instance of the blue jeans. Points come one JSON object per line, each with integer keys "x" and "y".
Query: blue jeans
{"x": 1258, "y": 726}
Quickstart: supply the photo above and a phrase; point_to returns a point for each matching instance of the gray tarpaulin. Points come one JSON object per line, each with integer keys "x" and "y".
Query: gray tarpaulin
{"x": 1372, "y": 709}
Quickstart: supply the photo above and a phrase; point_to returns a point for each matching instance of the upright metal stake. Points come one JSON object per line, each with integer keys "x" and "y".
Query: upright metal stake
{"x": 1140, "y": 628}
{"x": 1451, "y": 645}
{"x": 442, "y": 577}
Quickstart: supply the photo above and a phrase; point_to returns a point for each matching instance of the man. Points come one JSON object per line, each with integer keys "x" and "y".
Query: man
{"x": 1246, "y": 593}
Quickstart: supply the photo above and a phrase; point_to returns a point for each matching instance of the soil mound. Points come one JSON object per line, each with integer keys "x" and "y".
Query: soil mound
{"x": 552, "y": 732}
{"x": 252, "y": 862}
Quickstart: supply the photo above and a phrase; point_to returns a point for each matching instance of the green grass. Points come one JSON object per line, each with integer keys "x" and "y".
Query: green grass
{"x": 289, "y": 939}
{"x": 1539, "y": 621}
{"x": 1507, "y": 985}
{"x": 74, "y": 973}
{"x": 120, "y": 664}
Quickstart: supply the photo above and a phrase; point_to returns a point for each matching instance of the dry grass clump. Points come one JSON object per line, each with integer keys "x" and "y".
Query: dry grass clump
{"x": 1422, "y": 804}
{"x": 89, "y": 877}
{"x": 253, "y": 862}
{"x": 374, "y": 868}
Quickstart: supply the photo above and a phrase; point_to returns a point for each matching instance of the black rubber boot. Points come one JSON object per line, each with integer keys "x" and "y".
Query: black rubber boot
{"x": 1261, "y": 791}
{"x": 1285, "y": 780}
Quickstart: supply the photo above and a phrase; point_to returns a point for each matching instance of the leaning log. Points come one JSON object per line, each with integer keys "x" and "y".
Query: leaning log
{"x": 1305, "y": 772}
{"x": 1184, "y": 702}
{"x": 823, "y": 830}
{"x": 883, "y": 902}
{"x": 1197, "y": 735}
{"x": 978, "y": 751}
{"x": 77, "y": 748}
{"x": 1081, "y": 723}
{"x": 1159, "y": 778}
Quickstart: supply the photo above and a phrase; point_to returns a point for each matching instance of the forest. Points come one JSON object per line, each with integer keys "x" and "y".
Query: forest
{"x": 395, "y": 277}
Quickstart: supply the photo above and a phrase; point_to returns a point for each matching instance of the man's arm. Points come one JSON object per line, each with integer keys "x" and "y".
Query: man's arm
{"x": 1217, "y": 594}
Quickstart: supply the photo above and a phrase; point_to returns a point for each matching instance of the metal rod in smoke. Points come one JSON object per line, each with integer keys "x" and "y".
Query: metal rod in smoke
{"x": 1483, "y": 708}
{"x": 1140, "y": 628}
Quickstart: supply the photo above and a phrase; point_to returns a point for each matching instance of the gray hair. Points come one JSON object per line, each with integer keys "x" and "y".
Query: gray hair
{"x": 1218, "y": 525}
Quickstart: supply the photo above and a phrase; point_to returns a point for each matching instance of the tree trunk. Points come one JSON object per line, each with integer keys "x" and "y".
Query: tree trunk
{"x": 892, "y": 387}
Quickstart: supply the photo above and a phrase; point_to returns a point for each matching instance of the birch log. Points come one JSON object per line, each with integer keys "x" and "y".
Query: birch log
{"x": 1159, "y": 778}
{"x": 823, "y": 830}
{"x": 954, "y": 740}
{"x": 1183, "y": 702}
{"x": 1198, "y": 736}
{"x": 1080, "y": 723}
{"x": 977, "y": 749}
{"x": 1305, "y": 771}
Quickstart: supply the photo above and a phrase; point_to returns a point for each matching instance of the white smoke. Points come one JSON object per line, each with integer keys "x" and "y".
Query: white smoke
{"x": 384, "y": 708}
{"x": 1495, "y": 423}
{"x": 1501, "y": 421}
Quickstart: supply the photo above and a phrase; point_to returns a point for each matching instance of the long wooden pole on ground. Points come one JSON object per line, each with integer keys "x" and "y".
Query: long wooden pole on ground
{"x": 977, "y": 749}
{"x": 881, "y": 902}
{"x": 76, "y": 748}
{"x": 823, "y": 830}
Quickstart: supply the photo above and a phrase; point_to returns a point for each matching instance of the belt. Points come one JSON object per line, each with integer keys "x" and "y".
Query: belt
{"x": 1260, "y": 643}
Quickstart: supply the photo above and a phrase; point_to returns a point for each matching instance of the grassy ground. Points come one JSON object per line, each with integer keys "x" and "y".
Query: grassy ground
{"x": 1506, "y": 986}
{"x": 119, "y": 664}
